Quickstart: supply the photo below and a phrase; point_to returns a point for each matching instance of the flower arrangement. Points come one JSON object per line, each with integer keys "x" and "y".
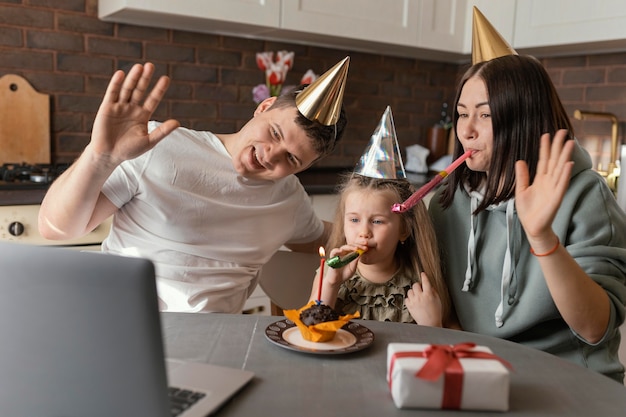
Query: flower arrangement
{"x": 276, "y": 68}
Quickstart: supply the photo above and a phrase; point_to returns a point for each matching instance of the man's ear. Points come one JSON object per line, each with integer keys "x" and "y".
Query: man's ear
{"x": 264, "y": 105}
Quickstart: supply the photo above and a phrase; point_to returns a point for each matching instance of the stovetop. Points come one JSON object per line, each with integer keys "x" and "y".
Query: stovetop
{"x": 23, "y": 183}
{"x": 24, "y": 175}
{"x": 22, "y": 188}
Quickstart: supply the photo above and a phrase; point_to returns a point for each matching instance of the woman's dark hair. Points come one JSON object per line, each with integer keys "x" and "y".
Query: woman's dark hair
{"x": 325, "y": 138}
{"x": 524, "y": 105}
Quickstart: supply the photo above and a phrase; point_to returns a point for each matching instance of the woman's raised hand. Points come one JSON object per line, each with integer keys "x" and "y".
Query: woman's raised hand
{"x": 538, "y": 203}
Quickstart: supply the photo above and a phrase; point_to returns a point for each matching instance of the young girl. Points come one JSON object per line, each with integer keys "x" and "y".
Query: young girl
{"x": 398, "y": 277}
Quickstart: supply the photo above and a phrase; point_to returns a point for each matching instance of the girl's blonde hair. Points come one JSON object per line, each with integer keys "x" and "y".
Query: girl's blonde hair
{"x": 419, "y": 252}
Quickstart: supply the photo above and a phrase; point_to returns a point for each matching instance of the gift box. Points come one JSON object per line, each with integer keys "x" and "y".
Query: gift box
{"x": 458, "y": 377}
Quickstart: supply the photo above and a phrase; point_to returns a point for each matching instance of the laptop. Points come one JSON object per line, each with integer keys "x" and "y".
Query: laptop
{"x": 80, "y": 335}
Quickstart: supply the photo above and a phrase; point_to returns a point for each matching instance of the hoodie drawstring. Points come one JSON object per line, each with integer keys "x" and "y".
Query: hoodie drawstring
{"x": 506, "y": 267}
{"x": 471, "y": 246}
{"x": 505, "y": 282}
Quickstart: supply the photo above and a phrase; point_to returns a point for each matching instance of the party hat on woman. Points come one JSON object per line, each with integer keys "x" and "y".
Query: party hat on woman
{"x": 321, "y": 101}
{"x": 382, "y": 158}
{"x": 487, "y": 43}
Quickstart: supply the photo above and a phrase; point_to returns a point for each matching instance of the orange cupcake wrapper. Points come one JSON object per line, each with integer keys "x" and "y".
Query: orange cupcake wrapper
{"x": 321, "y": 332}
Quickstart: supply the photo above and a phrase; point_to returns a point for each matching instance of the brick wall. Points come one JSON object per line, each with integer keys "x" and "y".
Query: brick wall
{"x": 66, "y": 52}
{"x": 63, "y": 50}
{"x": 594, "y": 83}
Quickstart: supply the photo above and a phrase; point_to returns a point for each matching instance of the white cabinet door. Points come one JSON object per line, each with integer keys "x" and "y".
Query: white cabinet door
{"x": 389, "y": 21}
{"x": 442, "y": 24}
{"x": 542, "y": 23}
{"x": 446, "y": 25}
{"x": 415, "y": 28}
{"x": 501, "y": 15}
{"x": 238, "y": 17}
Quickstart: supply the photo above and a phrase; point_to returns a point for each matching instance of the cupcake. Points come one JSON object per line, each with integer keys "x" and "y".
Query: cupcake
{"x": 318, "y": 313}
{"x": 318, "y": 322}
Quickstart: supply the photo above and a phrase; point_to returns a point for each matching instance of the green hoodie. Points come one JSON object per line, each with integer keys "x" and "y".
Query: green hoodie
{"x": 513, "y": 302}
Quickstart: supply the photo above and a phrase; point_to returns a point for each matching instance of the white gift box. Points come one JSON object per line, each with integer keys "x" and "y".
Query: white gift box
{"x": 484, "y": 384}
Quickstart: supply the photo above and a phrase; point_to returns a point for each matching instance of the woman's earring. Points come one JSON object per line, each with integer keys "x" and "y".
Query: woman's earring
{"x": 402, "y": 242}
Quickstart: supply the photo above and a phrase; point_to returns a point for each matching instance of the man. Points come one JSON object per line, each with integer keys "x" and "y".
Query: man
{"x": 208, "y": 209}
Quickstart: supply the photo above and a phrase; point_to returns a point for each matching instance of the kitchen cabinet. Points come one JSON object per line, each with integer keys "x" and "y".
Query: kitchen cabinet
{"x": 401, "y": 26}
{"x": 414, "y": 28}
{"x": 394, "y": 22}
{"x": 443, "y": 24}
{"x": 584, "y": 23}
{"x": 426, "y": 29}
{"x": 231, "y": 17}
{"x": 429, "y": 24}
{"x": 500, "y": 13}
{"x": 540, "y": 27}
{"x": 446, "y": 25}
{"x": 390, "y": 27}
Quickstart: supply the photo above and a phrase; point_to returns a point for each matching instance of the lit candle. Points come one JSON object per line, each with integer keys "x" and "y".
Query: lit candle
{"x": 319, "y": 288}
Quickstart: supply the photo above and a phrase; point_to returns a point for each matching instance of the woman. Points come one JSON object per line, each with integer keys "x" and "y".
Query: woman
{"x": 534, "y": 244}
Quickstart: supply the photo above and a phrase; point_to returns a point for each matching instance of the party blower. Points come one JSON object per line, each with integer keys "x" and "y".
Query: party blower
{"x": 338, "y": 262}
{"x": 426, "y": 188}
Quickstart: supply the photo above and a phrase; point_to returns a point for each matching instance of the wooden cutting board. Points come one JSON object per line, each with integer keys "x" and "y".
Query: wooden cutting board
{"x": 24, "y": 122}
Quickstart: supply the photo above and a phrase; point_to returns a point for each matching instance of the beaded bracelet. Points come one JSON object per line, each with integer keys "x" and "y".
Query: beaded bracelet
{"x": 550, "y": 252}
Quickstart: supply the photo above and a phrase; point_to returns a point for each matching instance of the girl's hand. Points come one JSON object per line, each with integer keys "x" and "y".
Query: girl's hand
{"x": 424, "y": 303}
{"x": 334, "y": 277}
{"x": 337, "y": 275}
{"x": 538, "y": 203}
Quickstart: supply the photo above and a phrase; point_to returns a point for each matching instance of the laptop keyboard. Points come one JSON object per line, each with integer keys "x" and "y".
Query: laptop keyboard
{"x": 182, "y": 399}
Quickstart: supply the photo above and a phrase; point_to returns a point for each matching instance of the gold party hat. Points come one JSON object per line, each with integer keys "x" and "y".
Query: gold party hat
{"x": 487, "y": 43}
{"x": 322, "y": 99}
{"x": 382, "y": 158}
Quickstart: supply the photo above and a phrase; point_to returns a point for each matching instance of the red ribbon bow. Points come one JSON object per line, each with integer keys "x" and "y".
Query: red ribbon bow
{"x": 444, "y": 359}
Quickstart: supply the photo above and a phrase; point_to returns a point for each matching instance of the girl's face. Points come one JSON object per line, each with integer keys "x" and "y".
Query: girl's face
{"x": 474, "y": 128}
{"x": 368, "y": 220}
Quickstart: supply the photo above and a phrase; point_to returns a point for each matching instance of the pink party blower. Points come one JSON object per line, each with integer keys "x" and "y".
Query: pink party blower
{"x": 426, "y": 188}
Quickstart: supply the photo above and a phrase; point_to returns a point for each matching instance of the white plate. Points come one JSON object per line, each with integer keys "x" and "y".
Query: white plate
{"x": 349, "y": 338}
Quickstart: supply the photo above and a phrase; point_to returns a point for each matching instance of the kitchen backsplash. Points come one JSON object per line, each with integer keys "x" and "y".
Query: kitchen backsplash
{"x": 63, "y": 50}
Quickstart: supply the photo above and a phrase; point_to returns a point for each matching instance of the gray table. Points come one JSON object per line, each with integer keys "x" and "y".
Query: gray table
{"x": 290, "y": 383}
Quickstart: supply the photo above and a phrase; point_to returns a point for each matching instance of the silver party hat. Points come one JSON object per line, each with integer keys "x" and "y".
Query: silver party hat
{"x": 382, "y": 158}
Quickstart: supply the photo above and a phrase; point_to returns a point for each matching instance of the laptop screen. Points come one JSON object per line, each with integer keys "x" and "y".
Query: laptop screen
{"x": 81, "y": 334}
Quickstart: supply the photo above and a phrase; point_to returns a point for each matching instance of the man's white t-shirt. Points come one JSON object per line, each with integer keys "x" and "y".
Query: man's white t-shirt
{"x": 207, "y": 229}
